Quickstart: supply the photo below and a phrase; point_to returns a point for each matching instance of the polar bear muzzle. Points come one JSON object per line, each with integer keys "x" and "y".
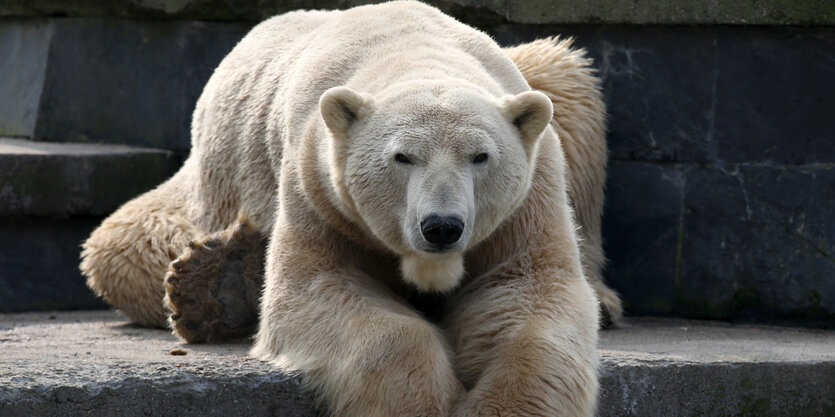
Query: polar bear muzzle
{"x": 441, "y": 231}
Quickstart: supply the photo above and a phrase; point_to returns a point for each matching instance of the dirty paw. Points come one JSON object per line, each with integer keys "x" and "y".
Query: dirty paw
{"x": 212, "y": 289}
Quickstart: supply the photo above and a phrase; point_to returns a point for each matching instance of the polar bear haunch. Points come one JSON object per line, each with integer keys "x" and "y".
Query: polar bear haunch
{"x": 336, "y": 136}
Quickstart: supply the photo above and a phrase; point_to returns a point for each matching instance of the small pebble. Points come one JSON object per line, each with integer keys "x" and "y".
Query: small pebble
{"x": 178, "y": 352}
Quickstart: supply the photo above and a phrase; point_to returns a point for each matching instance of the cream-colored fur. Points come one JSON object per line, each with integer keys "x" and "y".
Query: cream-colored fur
{"x": 566, "y": 77}
{"x": 298, "y": 132}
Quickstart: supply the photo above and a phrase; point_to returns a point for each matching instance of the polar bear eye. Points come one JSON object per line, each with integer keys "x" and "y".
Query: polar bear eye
{"x": 480, "y": 158}
{"x": 402, "y": 159}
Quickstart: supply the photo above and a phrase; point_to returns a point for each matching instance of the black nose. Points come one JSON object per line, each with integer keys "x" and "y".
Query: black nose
{"x": 441, "y": 230}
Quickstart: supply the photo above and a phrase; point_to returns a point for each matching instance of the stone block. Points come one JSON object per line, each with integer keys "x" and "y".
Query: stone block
{"x": 658, "y": 100}
{"x": 39, "y": 264}
{"x": 704, "y": 94}
{"x": 774, "y": 96}
{"x": 759, "y": 243}
{"x": 58, "y": 180}
{"x": 724, "y": 241}
{"x": 642, "y": 233}
{"x": 129, "y": 82}
{"x": 24, "y": 45}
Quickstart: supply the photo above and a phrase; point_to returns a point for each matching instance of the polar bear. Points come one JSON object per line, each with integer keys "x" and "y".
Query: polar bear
{"x": 404, "y": 198}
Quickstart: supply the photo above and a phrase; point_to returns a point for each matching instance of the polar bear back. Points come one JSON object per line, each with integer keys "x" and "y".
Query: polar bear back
{"x": 373, "y": 47}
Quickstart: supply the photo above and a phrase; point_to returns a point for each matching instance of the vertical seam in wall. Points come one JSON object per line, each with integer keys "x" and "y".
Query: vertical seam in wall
{"x": 50, "y": 25}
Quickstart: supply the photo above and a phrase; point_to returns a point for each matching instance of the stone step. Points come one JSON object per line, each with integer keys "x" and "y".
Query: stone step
{"x": 96, "y": 364}
{"x": 66, "y": 179}
{"x": 52, "y": 195}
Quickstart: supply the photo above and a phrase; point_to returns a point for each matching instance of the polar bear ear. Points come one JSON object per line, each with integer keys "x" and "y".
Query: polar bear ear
{"x": 530, "y": 112}
{"x": 342, "y": 106}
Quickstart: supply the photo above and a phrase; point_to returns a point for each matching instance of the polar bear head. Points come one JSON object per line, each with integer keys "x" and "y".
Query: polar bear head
{"x": 432, "y": 170}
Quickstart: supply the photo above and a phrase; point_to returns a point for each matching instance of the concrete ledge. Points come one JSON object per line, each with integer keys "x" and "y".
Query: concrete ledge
{"x": 61, "y": 179}
{"x": 95, "y": 363}
{"x": 762, "y": 12}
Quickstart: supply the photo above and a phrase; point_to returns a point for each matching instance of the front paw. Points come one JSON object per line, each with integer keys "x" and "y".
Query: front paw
{"x": 212, "y": 289}
{"x": 611, "y": 309}
{"x": 475, "y": 403}
{"x": 530, "y": 394}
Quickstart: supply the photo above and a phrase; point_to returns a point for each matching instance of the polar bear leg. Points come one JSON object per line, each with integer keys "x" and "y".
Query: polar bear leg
{"x": 213, "y": 288}
{"x": 520, "y": 355}
{"x": 564, "y": 73}
{"x": 126, "y": 258}
{"x": 364, "y": 352}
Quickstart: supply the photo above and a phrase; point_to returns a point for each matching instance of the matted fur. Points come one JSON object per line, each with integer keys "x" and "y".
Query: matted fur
{"x": 520, "y": 334}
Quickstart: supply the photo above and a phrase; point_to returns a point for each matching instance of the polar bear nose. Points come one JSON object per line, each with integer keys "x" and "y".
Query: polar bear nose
{"x": 441, "y": 230}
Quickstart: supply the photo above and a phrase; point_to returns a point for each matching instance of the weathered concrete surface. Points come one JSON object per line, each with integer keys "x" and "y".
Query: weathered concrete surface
{"x": 62, "y": 179}
{"x": 94, "y": 363}
{"x": 749, "y": 12}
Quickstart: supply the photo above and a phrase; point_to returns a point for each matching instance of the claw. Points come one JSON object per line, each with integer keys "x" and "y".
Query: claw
{"x": 178, "y": 266}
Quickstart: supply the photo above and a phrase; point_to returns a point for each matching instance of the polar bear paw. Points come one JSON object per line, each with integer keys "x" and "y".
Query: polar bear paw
{"x": 611, "y": 309}
{"x": 212, "y": 289}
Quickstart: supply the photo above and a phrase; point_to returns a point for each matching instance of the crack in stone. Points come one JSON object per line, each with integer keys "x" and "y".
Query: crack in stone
{"x": 712, "y": 147}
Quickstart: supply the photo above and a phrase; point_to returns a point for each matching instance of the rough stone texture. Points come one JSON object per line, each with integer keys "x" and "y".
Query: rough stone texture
{"x": 709, "y": 94}
{"x": 722, "y": 178}
{"x": 24, "y": 44}
{"x": 143, "y": 87}
{"x": 94, "y": 363}
{"x": 39, "y": 264}
{"x": 768, "y": 12}
{"x": 742, "y": 241}
{"x": 56, "y": 179}
{"x": 51, "y": 197}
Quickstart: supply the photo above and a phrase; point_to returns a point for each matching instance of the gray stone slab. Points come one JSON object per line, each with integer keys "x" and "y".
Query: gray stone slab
{"x": 674, "y": 93}
{"x": 94, "y": 363}
{"x": 732, "y": 241}
{"x": 143, "y": 86}
{"x": 773, "y": 100}
{"x": 758, "y": 243}
{"x": 769, "y": 12}
{"x": 24, "y": 44}
{"x": 39, "y": 264}
{"x": 641, "y": 230}
{"x": 47, "y": 179}
{"x": 52, "y": 195}
{"x": 709, "y": 94}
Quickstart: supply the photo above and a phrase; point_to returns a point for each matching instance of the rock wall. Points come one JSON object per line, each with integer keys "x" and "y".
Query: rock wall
{"x": 721, "y": 189}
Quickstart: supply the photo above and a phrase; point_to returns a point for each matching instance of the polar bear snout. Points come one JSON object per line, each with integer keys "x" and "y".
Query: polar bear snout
{"x": 441, "y": 231}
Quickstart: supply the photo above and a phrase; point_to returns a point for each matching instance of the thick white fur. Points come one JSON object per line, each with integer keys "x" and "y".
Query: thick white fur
{"x": 296, "y": 131}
